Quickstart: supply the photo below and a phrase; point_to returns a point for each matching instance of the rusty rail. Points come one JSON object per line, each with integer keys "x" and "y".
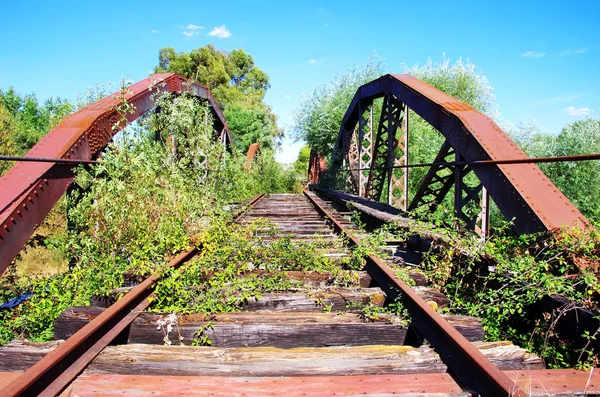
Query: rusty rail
{"x": 57, "y": 369}
{"x": 531, "y": 160}
{"x": 46, "y": 160}
{"x": 473, "y": 370}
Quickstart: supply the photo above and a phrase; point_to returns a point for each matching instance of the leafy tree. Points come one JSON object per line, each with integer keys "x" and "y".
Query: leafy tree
{"x": 320, "y": 113}
{"x": 257, "y": 123}
{"x": 32, "y": 120}
{"x": 238, "y": 86}
{"x": 301, "y": 163}
{"x": 7, "y": 127}
{"x": 461, "y": 80}
{"x": 579, "y": 181}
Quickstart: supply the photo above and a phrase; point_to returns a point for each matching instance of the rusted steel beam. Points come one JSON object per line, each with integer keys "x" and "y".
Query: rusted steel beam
{"x": 47, "y": 160}
{"x": 530, "y": 160}
{"x": 237, "y": 216}
{"x": 474, "y": 371}
{"x": 29, "y": 190}
{"x": 253, "y": 150}
{"x": 520, "y": 190}
{"x": 316, "y": 166}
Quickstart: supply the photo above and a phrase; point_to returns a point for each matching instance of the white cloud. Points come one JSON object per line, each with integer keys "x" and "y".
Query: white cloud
{"x": 154, "y": 31}
{"x": 563, "y": 98}
{"x": 313, "y": 61}
{"x": 574, "y": 51}
{"x": 189, "y": 33}
{"x": 191, "y": 26}
{"x": 533, "y": 54}
{"x": 220, "y": 32}
{"x": 573, "y": 111}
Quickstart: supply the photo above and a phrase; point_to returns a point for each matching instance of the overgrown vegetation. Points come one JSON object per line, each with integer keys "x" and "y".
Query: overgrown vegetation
{"x": 237, "y": 84}
{"x": 510, "y": 283}
{"x": 579, "y": 181}
{"x": 152, "y": 195}
{"x": 23, "y": 121}
{"x": 320, "y": 114}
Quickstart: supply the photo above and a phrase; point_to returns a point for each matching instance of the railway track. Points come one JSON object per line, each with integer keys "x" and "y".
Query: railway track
{"x": 323, "y": 336}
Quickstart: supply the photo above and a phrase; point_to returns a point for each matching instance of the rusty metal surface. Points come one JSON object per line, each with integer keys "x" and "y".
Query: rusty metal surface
{"x": 378, "y": 385}
{"x": 521, "y": 191}
{"x": 316, "y": 166}
{"x": 46, "y": 160}
{"x": 251, "y": 203}
{"x": 58, "y": 368}
{"x": 475, "y": 371}
{"x": 540, "y": 382}
{"x": 29, "y": 190}
{"x": 251, "y": 155}
{"x": 530, "y": 160}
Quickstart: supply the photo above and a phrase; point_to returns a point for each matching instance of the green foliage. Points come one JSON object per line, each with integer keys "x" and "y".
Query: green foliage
{"x": 320, "y": 114}
{"x": 250, "y": 123}
{"x": 579, "y": 181}
{"x": 502, "y": 280}
{"x": 234, "y": 267}
{"x": 31, "y": 120}
{"x": 238, "y": 86}
{"x": 301, "y": 163}
{"x": 7, "y": 132}
{"x": 164, "y": 187}
{"x": 464, "y": 82}
{"x": 461, "y": 80}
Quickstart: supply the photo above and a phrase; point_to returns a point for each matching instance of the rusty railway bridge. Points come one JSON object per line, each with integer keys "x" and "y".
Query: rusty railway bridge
{"x": 310, "y": 353}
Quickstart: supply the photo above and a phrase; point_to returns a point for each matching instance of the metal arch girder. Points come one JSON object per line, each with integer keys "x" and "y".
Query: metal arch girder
{"x": 521, "y": 191}
{"x": 29, "y": 190}
{"x": 253, "y": 151}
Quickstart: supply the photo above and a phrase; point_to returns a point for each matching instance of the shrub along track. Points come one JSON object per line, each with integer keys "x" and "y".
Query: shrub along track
{"x": 339, "y": 332}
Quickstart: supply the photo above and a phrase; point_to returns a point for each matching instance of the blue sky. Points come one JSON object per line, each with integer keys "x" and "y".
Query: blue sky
{"x": 542, "y": 57}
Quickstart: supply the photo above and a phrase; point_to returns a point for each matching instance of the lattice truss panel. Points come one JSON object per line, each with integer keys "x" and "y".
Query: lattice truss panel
{"x": 522, "y": 192}
{"x": 387, "y": 152}
{"x": 471, "y": 201}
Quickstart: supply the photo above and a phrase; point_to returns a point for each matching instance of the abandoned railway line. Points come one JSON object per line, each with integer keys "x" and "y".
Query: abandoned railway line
{"x": 367, "y": 322}
{"x": 311, "y": 340}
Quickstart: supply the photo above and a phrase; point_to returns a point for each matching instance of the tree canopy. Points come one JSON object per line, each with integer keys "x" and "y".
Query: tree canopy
{"x": 320, "y": 114}
{"x": 23, "y": 121}
{"x": 236, "y": 83}
{"x": 579, "y": 181}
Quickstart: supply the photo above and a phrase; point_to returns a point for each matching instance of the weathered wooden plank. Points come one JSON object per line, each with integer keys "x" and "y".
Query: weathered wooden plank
{"x": 431, "y": 294}
{"x": 283, "y": 330}
{"x": 21, "y": 354}
{"x": 309, "y": 280}
{"x": 266, "y": 361}
{"x": 337, "y": 299}
{"x": 314, "y": 279}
